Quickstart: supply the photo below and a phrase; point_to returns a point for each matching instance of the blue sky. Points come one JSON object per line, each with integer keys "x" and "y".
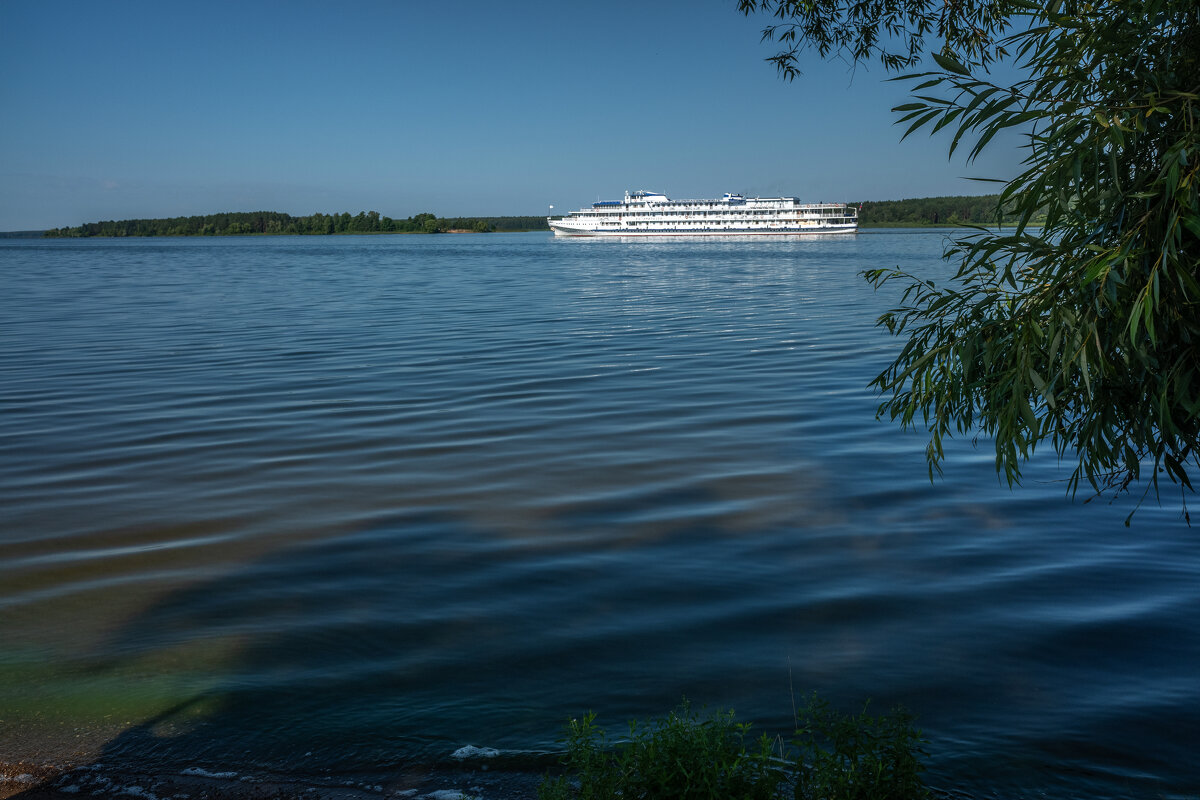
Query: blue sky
{"x": 124, "y": 109}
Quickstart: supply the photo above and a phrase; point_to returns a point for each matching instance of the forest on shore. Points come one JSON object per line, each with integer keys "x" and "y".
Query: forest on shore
{"x": 919, "y": 212}
{"x": 273, "y": 222}
{"x": 934, "y": 212}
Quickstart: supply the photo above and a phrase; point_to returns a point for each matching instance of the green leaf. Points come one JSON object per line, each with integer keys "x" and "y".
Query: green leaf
{"x": 950, "y": 64}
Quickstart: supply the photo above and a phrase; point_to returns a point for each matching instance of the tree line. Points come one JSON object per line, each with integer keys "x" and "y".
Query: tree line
{"x": 934, "y": 211}
{"x": 273, "y": 222}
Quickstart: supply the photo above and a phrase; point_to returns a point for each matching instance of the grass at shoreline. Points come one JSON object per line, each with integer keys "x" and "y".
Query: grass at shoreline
{"x": 686, "y": 756}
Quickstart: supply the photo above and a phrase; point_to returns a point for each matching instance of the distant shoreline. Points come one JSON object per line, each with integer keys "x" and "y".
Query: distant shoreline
{"x": 924, "y": 212}
{"x": 239, "y": 223}
{"x": 931, "y": 226}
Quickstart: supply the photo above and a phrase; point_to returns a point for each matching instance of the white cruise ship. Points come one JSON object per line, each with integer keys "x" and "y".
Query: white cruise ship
{"x": 654, "y": 214}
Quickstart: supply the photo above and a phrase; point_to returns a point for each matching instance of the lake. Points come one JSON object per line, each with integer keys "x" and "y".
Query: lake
{"x": 341, "y": 506}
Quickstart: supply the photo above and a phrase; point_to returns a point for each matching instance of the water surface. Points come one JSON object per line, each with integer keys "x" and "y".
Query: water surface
{"x": 284, "y": 503}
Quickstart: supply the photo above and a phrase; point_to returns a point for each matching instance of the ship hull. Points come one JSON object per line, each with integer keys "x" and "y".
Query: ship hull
{"x": 629, "y": 234}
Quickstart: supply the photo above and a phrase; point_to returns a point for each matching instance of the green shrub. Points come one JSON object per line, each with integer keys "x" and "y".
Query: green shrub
{"x": 680, "y": 757}
{"x": 686, "y": 757}
{"x": 857, "y": 756}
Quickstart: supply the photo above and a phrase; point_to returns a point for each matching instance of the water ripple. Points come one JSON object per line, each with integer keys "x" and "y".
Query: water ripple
{"x": 374, "y": 497}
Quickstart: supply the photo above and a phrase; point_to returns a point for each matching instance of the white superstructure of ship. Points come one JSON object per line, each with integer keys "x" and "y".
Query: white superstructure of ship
{"x": 654, "y": 214}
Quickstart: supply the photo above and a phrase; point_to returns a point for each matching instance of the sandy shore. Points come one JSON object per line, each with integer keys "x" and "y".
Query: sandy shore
{"x": 29, "y": 781}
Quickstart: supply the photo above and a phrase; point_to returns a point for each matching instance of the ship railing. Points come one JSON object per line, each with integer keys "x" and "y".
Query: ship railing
{"x": 700, "y": 205}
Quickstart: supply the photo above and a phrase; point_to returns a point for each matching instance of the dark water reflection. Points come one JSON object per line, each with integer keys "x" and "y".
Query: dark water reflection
{"x": 278, "y": 503}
